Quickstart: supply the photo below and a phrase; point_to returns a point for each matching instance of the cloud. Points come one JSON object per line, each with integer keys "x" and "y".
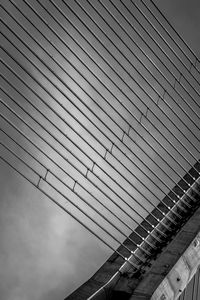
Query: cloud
{"x": 44, "y": 254}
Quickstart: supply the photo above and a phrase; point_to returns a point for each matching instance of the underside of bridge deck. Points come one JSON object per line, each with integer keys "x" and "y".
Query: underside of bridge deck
{"x": 114, "y": 280}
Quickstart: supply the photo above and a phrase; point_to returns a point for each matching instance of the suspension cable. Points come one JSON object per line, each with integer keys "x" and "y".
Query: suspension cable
{"x": 107, "y": 150}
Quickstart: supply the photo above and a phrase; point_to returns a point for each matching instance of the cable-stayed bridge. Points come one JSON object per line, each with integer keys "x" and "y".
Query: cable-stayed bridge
{"x": 100, "y": 112}
{"x": 163, "y": 264}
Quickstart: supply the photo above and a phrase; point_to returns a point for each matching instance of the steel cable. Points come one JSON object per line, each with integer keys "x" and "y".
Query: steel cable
{"x": 66, "y": 210}
{"x": 63, "y": 158}
{"x": 150, "y": 23}
{"x": 148, "y": 109}
{"x": 174, "y": 30}
{"x": 98, "y": 154}
{"x": 68, "y": 174}
{"x": 107, "y": 150}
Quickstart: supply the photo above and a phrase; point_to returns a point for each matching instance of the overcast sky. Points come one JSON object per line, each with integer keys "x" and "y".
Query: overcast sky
{"x": 44, "y": 253}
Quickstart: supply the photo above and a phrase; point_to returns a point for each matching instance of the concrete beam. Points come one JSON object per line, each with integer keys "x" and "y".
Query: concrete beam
{"x": 141, "y": 286}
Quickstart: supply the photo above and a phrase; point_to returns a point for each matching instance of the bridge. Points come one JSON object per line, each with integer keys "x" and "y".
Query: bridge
{"x": 99, "y": 111}
{"x": 165, "y": 272}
